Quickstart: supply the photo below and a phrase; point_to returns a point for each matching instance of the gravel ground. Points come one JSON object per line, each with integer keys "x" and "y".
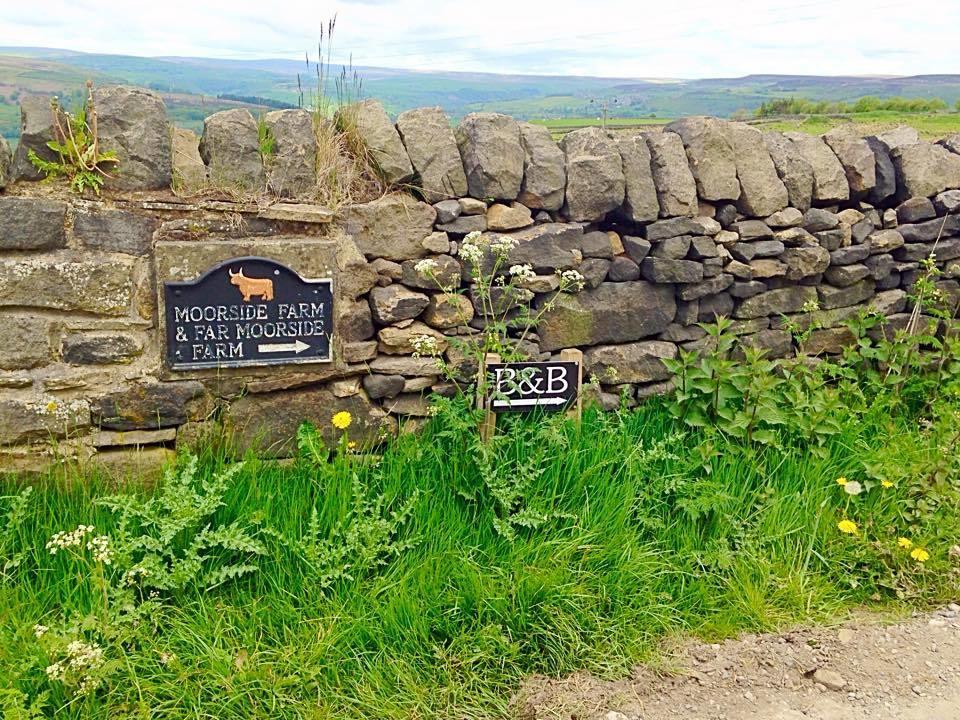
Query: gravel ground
{"x": 909, "y": 670}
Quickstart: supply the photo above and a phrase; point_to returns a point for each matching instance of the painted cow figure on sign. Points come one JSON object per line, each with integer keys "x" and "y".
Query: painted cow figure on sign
{"x": 252, "y": 287}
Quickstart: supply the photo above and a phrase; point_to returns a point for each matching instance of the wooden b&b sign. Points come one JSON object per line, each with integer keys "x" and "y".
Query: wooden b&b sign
{"x": 551, "y": 386}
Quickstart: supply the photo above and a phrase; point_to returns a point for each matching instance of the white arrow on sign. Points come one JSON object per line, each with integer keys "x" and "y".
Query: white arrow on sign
{"x": 294, "y": 347}
{"x": 529, "y": 401}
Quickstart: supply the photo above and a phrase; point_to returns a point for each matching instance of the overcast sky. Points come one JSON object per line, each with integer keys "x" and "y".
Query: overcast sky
{"x": 617, "y": 38}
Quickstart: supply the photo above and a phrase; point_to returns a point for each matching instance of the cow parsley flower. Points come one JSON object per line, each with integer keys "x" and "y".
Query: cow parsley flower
{"x": 100, "y": 547}
{"x": 571, "y": 281}
{"x": 68, "y": 539}
{"x": 426, "y": 266}
{"x": 425, "y": 346}
{"x": 522, "y": 272}
{"x": 503, "y": 245}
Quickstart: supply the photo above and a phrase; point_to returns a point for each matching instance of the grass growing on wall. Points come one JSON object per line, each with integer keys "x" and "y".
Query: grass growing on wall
{"x": 427, "y": 581}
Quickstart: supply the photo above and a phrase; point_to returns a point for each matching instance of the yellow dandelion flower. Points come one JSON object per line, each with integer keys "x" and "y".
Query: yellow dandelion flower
{"x": 342, "y": 420}
{"x": 847, "y": 526}
{"x": 905, "y": 543}
{"x": 352, "y": 445}
{"x": 886, "y": 483}
{"x": 51, "y": 406}
{"x": 920, "y": 555}
{"x": 841, "y": 481}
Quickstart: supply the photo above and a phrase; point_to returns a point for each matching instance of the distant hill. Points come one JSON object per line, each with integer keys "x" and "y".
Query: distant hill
{"x": 191, "y": 87}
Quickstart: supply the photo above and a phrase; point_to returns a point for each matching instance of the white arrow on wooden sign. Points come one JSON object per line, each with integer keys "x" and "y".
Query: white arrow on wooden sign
{"x": 294, "y": 347}
{"x": 529, "y": 401}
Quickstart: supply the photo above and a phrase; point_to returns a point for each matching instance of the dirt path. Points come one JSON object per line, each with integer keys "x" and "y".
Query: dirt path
{"x": 865, "y": 670}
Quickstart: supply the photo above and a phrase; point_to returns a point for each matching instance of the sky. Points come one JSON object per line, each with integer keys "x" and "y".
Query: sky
{"x": 610, "y": 38}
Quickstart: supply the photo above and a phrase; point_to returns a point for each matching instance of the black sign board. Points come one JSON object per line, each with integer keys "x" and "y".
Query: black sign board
{"x": 248, "y": 311}
{"x": 524, "y": 387}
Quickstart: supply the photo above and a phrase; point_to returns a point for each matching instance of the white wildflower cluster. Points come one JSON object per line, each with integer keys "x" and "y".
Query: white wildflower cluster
{"x": 40, "y": 630}
{"x": 522, "y": 272}
{"x": 424, "y": 346}
{"x": 571, "y": 281}
{"x": 131, "y": 575}
{"x": 425, "y": 267}
{"x": 81, "y": 661}
{"x": 810, "y": 306}
{"x": 68, "y": 539}
{"x": 502, "y": 246}
{"x": 470, "y": 249}
{"x": 852, "y": 488}
{"x": 100, "y": 547}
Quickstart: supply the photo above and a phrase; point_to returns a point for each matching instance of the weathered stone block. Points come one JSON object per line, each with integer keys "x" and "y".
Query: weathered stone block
{"x": 886, "y": 174}
{"x": 41, "y": 417}
{"x": 432, "y": 149}
{"x": 776, "y": 302}
{"x": 623, "y": 269}
{"x": 492, "y": 155}
{"x": 504, "y": 218}
{"x": 856, "y": 157}
{"x": 292, "y": 168}
{"x": 69, "y": 281}
{"x": 711, "y": 158}
{"x": 544, "y": 169}
{"x": 923, "y": 170}
{"x": 101, "y": 348}
{"x": 831, "y": 297}
{"x": 613, "y": 313}
{"x": 132, "y": 122}
{"x": 829, "y": 178}
{"x": 794, "y": 169}
{"x": 114, "y": 231}
{"x": 189, "y": 172}
{"x": 547, "y": 248}
{"x": 32, "y": 224}
{"x": 36, "y": 130}
{"x": 383, "y": 386}
{"x": 762, "y": 192}
{"x": 712, "y": 286}
{"x": 446, "y": 311}
{"x": 392, "y": 227}
{"x": 638, "y": 362}
{"x": 230, "y": 147}
{"x": 595, "y": 181}
{"x": 395, "y": 303}
{"x": 147, "y": 406}
{"x": 676, "y": 188}
{"x": 24, "y": 342}
{"x": 396, "y": 340}
{"x": 805, "y": 261}
{"x": 444, "y": 273}
{"x": 380, "y": 137}
{"x": 666, "y": 270}
{"x": 465, "y": 224}
{"x": 640, "y": 203}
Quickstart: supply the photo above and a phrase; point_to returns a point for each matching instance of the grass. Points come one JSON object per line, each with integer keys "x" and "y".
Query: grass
{"x": 558, "y": 548}
{"x": 931, "y": 126}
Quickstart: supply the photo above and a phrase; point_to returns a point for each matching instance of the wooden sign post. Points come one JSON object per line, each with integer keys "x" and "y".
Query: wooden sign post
{"x": 551, "y": 386}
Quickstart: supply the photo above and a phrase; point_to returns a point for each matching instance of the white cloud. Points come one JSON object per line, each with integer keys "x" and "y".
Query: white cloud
{"x": 622, "y": 38}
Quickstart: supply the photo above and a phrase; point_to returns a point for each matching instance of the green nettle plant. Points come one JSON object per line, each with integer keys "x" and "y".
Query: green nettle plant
{"x": 79, "y": 157}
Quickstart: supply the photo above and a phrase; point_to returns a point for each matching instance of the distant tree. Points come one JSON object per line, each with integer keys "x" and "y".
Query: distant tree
{"x": 740, "y": 115}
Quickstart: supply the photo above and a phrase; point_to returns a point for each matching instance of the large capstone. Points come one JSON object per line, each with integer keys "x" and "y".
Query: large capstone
{"x": 189, "y": 171}
{"x": 676, "y": 188}
{"x": 762, "y": 192}
{"x": 230, "y": 147}
{"x": 492, "y": 155}
{"x": 292, "y": 168}
{"x": 36, "y": 130}
{"x": 595, "y": 182}
{"x": 432, "y": 149}
{"x": 856, "y": 157}
{"x": 132, "y": 122}
{"x": 923, "y": 170}
{"x": 380, "y": 138}
{"x": 712, "y": 160}
{"x": 793, "y": 168}
{"x": 829, "y": 178}
{"x": 612, "y": 313}
{"x": 886, "y": 174}
{"x": 544, "y": 169}
{"x": 640, "y": 203}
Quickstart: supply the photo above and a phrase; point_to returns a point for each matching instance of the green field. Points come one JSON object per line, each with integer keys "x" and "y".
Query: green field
{"x": 429, "y": 579}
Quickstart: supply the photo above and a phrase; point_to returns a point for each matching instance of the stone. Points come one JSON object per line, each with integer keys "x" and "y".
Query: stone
{"x": 817, "y": 220}
{"x": 640, "y": 203}
{"x": 747, "y": 251}
{"x": 595, "y": 180}
{"x": 189, "y": 174}
{"x": 794, "y": 169}
{"x": 787, "y": 218}
{"x": 25, "y": 343}
{"x": 948, "y": 202}
{"x": 711, "y": 286}
{"x": 924, "y": 170}
{"x": 636, "y": 248}
{"x": 766, "y": 268}
{"x": 715, "y": 306}
{"x": 6, "y": 162}
{"x": 687, "y": 312}
{"x": 547, "y": 248}
{"x": 861, "y": 231}
{"x": 677, "y": 333}
{"x": 830, "y": 679}
{"x": 83, "y": 282}
{"x": 445, "y": 273}
{"x": 546, "y": 283}
{"x": 805, "y": 261}
{"x": 230, "y": 148}
{"x": 747, "y": 289}
{"x": 382, "y": 386}
{"x": 411, "y": 404}
{"x": 846, "y": 275}
{"x": 437, "y": 242}
{"x": 726, "y": 237}
{"x": 132, "y": 122}
{"x": 36, "y": 130}
{"x": 504, "y": 218}
{"x": 829, "y": 177}
{"x": 407, "y": 366}
{"x": 448, "y": 210}
{"x": 501, "y": 300}
{"x": 292, "y": 168}
{"x": 359, "y": 351}
{"x": 856, "y": 157}
{"x": 380, "y": 138}
{"x": 433, "y": 153}
{"x": 32, "y": 224}
{"x": 623, "y": 269}
{"x": 943, "y": 250}
{"x": 674, "y": 227}
{"x": 638, "y": 362}
{"x": 146, "y": 405}
{"x": 831, "y": 297}
{"x": 472, "y": 206}
{"x": 886, "y": 175}
{"x": 829, "y": 341}
{"x": 465, "y": 224}
{"x": 676, "y": 188}
{"x": 752, "y": 230}
{"x": 101, "y": 348}
{"x": 299, "y": 212}
{"x": 448, "y": 310}
{"x": 739, "y": 270}
{"x": 711, "y": 158}
{"x": 665, "y": 270}
{"x": 394, "y": 303}
{"x": 594, "y": 271}
{"x": 702, "y": 248}
{"x": 40, "y": 418}
{"x": 492, "y": 155}
{"x": 268, "y": 423}
{"x": 795, "y": 237}
{"x": 112, "y": 230}
{"x": 596, "y": 244}
{"x": 899, "y": 136}
{"x": 880, "y": 266}
{"x": 931, "y": 230}
{"x": 396, "y": 340}
{"x": 839, "y": 237}
{"x": 773, "y": 344}
{"x": 776, "y": 302}
{"x": 674, "y": 248}
{"x": 544, "y": 169}
{"x": 726, "y": 215}
{"x": 951, "y": 143}
{"x": 391, "y": 227}
{"x": 915, "y": 210}
{"x": 762, "y": 192}
{"x": 612, "y": 313}
{"x": 353, "y": 322}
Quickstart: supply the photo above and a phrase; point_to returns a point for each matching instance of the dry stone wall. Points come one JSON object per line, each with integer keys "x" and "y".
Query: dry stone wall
{"x": 669, "y": 228}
